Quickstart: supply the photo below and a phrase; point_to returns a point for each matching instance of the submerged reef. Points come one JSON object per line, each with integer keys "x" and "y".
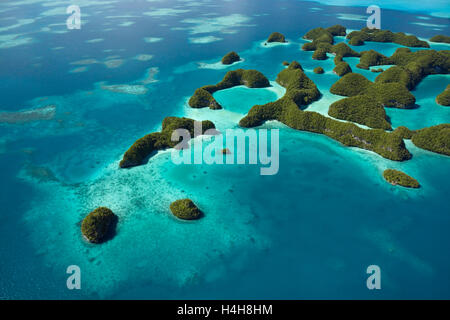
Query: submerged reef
{"x": 185, "y": 209}
{"x": 440, "y": 38}
{"x": 396, "y": 177}
{"x": 435, "y": 138}
{"x": 318, "y": 70}
{"x": 230, "y": 58}
{"x": 367, "y": 100}
{"x": 444, "y": 97}
{"x": 155, "y": 141}
{"x": 376, "y": 35}
{"x": 276, "y": 37}
{"x": 251, "y": 78}
{"x": 29, "y": 115}
{"x": 300, "y": 91}
{"x": 98, "y": 225}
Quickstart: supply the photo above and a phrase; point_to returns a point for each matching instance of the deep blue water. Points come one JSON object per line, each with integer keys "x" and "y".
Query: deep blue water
{"x": 308, "y": 232}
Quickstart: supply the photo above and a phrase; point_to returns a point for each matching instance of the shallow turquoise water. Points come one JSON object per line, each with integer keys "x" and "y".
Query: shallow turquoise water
{"x": 308, "y": 232}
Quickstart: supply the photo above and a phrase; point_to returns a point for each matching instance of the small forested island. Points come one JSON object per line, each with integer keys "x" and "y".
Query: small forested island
{"x": 444, "y": 98}
{"x": 155, "y": 141}
{"x": 230, "y": 58}
{"x": 367, "y": 100}
{"x": 342, "y": 68}
{"x": 251, "y": 78}
{"x": 351, "y": 84}
{"x": 396, "y": 177}
{"x": 372, "y": 58}
{"x": 301, "y": 91}
{"x": 98, "y": 225}
{"x": 403, "y": 132}
{"x": 185, "y": 209}
{"x": 285, "y": 63}
{"x": 357, "y": 38}
{"x": 320, "y": 54}
{"x": 440, "y": 38}
{"x": 377, "y": 70}
{"x": 318, "y": 70}
{"x": 276, "y": 37}
{"x": 435, "y": 138}
{"x": 411, "y": 67}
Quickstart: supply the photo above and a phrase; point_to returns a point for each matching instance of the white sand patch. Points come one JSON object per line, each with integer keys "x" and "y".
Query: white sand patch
{"x": 144, "y": 57}
{"x": 164, "y": 12}
{"x": 152, "y": 39}
{"x": 95, "y": 40}
{"x": 217, "y": 24}
{"x": 203, "y": 40}
{"x": 217, "y": 65}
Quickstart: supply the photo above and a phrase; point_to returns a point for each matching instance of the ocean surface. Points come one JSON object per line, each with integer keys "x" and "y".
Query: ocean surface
{"x": 77, "y": 99}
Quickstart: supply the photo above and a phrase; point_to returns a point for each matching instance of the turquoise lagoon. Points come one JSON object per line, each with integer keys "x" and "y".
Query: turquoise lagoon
{"x": 308, "y": 232}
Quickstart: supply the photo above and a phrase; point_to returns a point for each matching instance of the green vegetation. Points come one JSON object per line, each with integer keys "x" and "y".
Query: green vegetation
{"x": 372, "y": 58}
{"x": 230, "y": 58}
{"x": 360, "y": 109}
{"x": 377, "y": 35}
{"x": 318, "y": 70}
{"x": 396, "y": 177}
{"x": 440, "y": 38}
{"x": 320, "y": 54}
{"x": 351, "y": 84}
{"x": 403, "y": 132}
{"x": 155, "y": 141}
{"x": 288, "y": 111}
{"x": 323, "y": 38}
{"x": 285, "y": 63}
{"x": 343, "y": 50}
{"x": 367, "y": 100}
{"x": 377, "y": 70}
{"x": 411, "y": 67}
{"x": 342, "y": 68}
{"x": 435, "y": 139}
{"x": 202, "y": 99}
{"x": 98, "y": 225}
{"x": 392, "y": 95}
{"x": 444, "y": 97}
{"x": 185, "y": 209}
{"x": 276, "y": 37}
{"x": 251, "y": 78}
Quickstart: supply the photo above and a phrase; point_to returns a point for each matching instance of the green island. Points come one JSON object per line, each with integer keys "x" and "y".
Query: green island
{"x": 300, "y": 91}
{"x": 342, "y": 68}
{"x": 250, "y": 78}
{"x": 285, "y": 63}
{"x": 322, "y": 42}
{"x": 444, "y": 97}
{"x": 357, "y": 38}
{"x": 435, "y": 138}
{"x": 411, "y": 67}
{"x": 318, "y": 70}
{"x": 320, "y": 54}
{"x": 185, "y": 209}
{"x": 98, "y": 225}
{"x": 372, "y": 58}
{"x": 403, "y": 132}
{"x": 155, "y": 141}
{"x": 396, "y": 177}
{"x": 440, "y": 38}
{"x": 377, "y": 70}
{"x": 276, "y": 37}
{"x": 230, "y": 58}
{"x": 366, "y": 100}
